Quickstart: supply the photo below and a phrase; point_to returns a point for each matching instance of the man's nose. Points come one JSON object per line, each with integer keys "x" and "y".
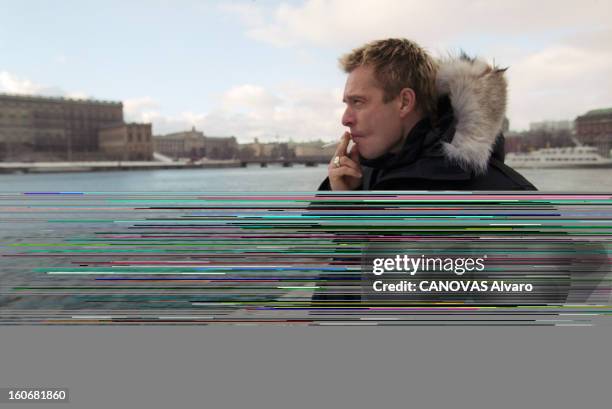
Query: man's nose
{"x": 348, "y": 119}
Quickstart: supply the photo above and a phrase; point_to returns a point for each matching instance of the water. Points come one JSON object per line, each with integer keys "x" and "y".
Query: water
{"x": 570, "y": 180}
{"x": 257, "y": 179}
{"x": 250, "y": 179}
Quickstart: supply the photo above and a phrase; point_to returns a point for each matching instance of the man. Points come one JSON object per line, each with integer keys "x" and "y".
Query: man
{"x": 418, "y": 124}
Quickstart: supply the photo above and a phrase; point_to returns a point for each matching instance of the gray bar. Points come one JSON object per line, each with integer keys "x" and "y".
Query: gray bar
{"x": 34, "y": 395}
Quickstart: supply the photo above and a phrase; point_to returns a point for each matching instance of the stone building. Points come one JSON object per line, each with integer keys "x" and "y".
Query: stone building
{"x": 195, "y": 145}
{"x": 551, "y": 126}
{"x": 127, "y": 141}
{"x": 218, "y": 147}
{"x": 261, "y": 150}
{"x": 316, "y": 149}
{"x": 54, "y": 124}
{"x": 595, "y": 129}
{"x": 189, "y": 144}
{"x": 269, "y": 150}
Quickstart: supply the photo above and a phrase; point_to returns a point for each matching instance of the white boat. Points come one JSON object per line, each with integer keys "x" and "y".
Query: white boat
{"x": 567, "y": 157}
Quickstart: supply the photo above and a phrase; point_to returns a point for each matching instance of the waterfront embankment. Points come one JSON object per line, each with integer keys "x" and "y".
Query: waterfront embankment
{"x": 92, "y": 166}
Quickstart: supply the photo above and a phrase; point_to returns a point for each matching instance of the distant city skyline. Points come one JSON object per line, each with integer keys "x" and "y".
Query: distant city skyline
{"x": 261, "y": 69}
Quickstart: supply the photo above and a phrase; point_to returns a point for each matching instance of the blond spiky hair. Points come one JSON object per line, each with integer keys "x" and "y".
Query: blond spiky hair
{"x": 398, "y": 63}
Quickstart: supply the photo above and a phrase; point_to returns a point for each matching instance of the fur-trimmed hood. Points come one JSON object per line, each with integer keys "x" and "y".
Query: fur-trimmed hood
{"x": 477, "y": 93}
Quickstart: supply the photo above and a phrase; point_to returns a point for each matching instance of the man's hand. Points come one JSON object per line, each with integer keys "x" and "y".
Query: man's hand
{"x": 344, "y": 170}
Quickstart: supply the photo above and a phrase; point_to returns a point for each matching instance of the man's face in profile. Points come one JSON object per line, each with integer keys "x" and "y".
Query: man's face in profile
{"x": 376, "y": 126}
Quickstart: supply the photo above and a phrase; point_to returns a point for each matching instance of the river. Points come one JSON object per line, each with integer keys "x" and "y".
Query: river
{"x": 256, "y": 179}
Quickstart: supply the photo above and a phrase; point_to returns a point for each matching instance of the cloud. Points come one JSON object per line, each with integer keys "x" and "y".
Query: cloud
{"x": 13, "y": 84}
{"x": 139, "y": 106}
{"x": 146, "y": 109}
{"x": 251, "y": 98}
{"x": 561, "y": 81}
{"x": 557, "y": 50}
{"x": 291, "y": 111}
{"x": 250, "y": 111}
{"x": 433, "y": 23}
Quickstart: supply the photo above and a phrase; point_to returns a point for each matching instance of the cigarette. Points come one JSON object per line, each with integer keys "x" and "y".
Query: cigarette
{"x": 327, "y": 145}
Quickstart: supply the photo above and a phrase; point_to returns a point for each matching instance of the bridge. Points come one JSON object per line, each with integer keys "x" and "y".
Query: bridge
{"x": 286, "y": 162}
{"x": 92, "y": 166}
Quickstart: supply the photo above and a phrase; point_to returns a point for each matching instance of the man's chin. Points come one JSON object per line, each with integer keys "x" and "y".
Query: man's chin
{"x": 369, "y": 155}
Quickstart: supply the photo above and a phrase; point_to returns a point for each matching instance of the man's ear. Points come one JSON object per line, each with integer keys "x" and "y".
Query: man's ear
{"x": 407, "y": 100}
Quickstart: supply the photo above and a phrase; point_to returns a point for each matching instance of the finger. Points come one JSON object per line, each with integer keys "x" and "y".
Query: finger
{"x": 345, "y": 171}
{"x": 341, "y": 149}
{"x": 354, "y": 154}
{"x": 346, "y": 161}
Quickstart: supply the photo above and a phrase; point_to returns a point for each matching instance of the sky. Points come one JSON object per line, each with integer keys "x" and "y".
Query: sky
{"x": 269, "y": 69}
